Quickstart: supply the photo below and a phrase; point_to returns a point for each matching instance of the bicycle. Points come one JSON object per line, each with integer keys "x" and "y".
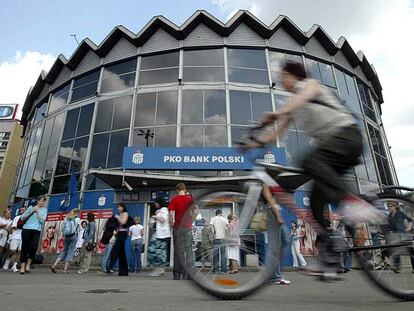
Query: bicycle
{"x": 260, "y": 242}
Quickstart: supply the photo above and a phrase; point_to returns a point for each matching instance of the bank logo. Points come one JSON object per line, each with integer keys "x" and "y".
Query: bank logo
{"x": 138, "y": 157}
{"x": 269, "y": 157}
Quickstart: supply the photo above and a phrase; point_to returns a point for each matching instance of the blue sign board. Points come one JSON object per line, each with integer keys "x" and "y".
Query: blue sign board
{"x": 197, "y": 158}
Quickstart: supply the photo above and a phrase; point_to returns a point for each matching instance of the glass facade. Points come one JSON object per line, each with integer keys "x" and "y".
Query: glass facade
{"x": 202, "y": 111}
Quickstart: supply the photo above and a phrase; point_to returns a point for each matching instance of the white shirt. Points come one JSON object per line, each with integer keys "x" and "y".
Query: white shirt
{"x": 220, "y": 224}
{"x": 79, "y": 242}
{"x": 136, "y": 232}
{"x": 17, "y": 233}
{"x": 7, "y": 222}
{"x": 162, "y": 228}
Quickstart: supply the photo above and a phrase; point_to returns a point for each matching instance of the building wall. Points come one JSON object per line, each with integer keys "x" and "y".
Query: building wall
{"x": 11, "y": 160}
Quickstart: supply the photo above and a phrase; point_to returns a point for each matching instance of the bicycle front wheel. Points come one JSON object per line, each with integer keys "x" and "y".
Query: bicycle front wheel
{"x": 231, "y": 257}
{"x": 386, "y": 247}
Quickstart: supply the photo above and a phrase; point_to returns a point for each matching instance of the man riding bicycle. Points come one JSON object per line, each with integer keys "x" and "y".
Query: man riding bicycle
{"x": 338, "y": 142}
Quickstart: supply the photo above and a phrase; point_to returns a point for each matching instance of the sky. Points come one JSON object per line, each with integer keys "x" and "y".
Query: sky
{"x": 33, "y": 33}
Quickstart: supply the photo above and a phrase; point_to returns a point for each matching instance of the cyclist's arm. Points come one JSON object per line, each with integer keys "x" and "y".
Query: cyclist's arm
{"x": 301, "y": 98}
{"x": 282, "y": 124}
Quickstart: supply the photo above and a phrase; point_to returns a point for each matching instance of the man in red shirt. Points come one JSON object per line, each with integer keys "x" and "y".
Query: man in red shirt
{"x": 182, "y": 222}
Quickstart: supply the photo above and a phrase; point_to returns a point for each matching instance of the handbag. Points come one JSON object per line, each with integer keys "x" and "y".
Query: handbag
{"x": 90, "y": 246}
{"x": 259, "y": 220}
{"x": 21, "y": 222}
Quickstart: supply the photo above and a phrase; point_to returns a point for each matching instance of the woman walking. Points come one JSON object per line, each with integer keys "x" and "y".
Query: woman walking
{"x": 34, "y": 218}
{"x": 295, "y": 246}
{"x": 88, "y": 243}
{"x": 71, "y": 228}
{"x": 118, "y": 250}
{"x": 136, "y": 233}
{"x": 233, "y": 243}
{"x": 79, "y": 243}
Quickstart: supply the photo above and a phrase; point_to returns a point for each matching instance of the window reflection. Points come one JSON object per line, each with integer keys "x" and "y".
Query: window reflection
{"x": 248, "y": 107}
{"x": 86, "y": 86}
{"x": 59, "y": 98}
{"x": 247, "y": 66}
{"x": 158, "y": 69}
{"x": 119, "y": 77}
{"x": 203, "y": 65}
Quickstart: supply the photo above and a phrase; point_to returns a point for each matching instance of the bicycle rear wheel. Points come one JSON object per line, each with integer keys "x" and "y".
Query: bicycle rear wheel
{"x": 387, "y": 254}
{"x": 255, "y": 250}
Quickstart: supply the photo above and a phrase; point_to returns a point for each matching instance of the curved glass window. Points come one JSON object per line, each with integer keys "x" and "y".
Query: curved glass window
{"x": 203, "y": 65}
{"x": 59, "y": 98}
{"x": 119, "y": 77}
{"x": 247, "y": 66}
{"x": 248, "y": 107}
{"x": 348, "y": 92}
{"x": 366, "y": 101}
{"x": 320, "y": 71}
{"x": 276, "y": 62}
{"x": 85, "y": 86}
{"x": 158, "y": 69}
{"x": 40, "y": 113}
{"x": 114, "y": 114}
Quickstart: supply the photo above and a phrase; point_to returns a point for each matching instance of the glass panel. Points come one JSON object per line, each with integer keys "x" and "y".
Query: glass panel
{"x": 261, "y": 103}
{"x": 191, "y": 136}
{"x": 79, "y": 154}
{"x": 57, "y": 129}
{"x": 247, "y": 58}
{"x": 192, "y": 107}
{"x": 61, "y": 184}
{"x": 104, "y": 116}
{"x": 353, "y": 95}
{"x": 160, "y": 61}
{"x": 215, "y": 107}
{"x": 50, "y": 161}
{"x": 94, "y": 183}
{"x": 39, "y": 188}
{"x": 65, "y": 155}
{"x": 30, "y": 169}
{"x": 119, "y": 140}
{"x": 122, "y": 114}
{"x": 276, "y": 61}
{"x": 305, "y": 145}
{"x": 158, "y": 76}
{"x": 387, "y": 171}
{"x": 91, "y": 77}
{"x": 121, "y": 68}
{"x": 215, "y": 136}
{"x": 145, "y": 109}
{"x": 70, "y": 124}
{"x": 294, "y": 58}
{"x": 381, "y": 169}
{"x": 47, "y": 132}
{"x": 327, "y": 74}
{"x": 167, "y": 108}
{"x": 201, "y": 74}
{"x": 59, "y": 98}
{"x": 238, "y": 134}
{"x": 84, "y": 91}
{"x": 99, "y": 151}
{"x": 209, "y": 57}
{"x": 240, "y": 107}
{"x": 248, "y": 76}
{"x": 31, "y": 141}
{"x": 313, "y": 69}
{"x": 38, "y": 137}
{"x": 118, "y": 83}
{"x": 40, "y": 113}
{"x": 350, "y": 100}
{"x": 143, "y": 137}
{"x": 85, "y": 120}
{"x": 165, "y": 136}
{"x": 23, "y": 192}
{"x": 40, "y": 164}
{"x": 23, "y": 172}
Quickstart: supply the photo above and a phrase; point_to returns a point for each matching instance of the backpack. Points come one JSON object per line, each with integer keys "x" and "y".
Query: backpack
{"x": 69, "y": 227}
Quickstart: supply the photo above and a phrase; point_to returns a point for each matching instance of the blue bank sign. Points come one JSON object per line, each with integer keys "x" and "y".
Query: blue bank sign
{"x": 197, "y": 158}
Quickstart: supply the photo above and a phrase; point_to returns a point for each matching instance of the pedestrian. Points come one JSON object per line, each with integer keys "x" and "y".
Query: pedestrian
{"x": 219, "y": 243}
{"x": 277, "y": 278}
{"x": 5, "y": 228}
{"x": 207, "y": 237}
{"x": 233, "y": 243}
{"x": 136, "y": 232}
{"x": 34, "y": 218}
{"x": 79, "y": 243}
{"x": 295, "y": 246}
{"x": 70, "y": 229}
{"x": 16, "y": 241}
{"x": 88, "y": 243}
{"x": 118, "y": 250}
{"x": 182, "y": 232}
{"x": 108, "y": 239}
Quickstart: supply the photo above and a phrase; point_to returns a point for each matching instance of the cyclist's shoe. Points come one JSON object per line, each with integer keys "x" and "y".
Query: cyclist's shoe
{"x": 325, "y": 273}
{"x": 356, "y": 211}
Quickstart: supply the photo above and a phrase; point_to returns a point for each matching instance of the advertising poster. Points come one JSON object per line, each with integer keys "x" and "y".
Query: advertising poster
{"x": 101, "y": 217}
{"x": 51, "y": 233}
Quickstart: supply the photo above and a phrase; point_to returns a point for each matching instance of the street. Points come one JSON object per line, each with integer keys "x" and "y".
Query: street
{"x": 42, "y": 290}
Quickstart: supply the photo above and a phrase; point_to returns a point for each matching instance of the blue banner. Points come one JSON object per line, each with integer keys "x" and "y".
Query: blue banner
{"x": 197, "y": 158}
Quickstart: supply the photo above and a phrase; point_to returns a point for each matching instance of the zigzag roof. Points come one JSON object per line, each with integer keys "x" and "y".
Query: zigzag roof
{"x": 181, "y": 32}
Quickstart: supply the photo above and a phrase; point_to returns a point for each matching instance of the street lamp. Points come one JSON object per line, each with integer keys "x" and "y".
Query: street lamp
{"x": 147, "y": 135}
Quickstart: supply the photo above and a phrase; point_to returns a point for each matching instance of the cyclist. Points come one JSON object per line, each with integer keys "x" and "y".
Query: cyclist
{"x": 338, "y": 142}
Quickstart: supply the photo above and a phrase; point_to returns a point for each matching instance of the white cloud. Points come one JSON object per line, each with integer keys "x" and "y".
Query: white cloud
{"x": 18, "y": 74}
{"x": 379, "y": 28}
